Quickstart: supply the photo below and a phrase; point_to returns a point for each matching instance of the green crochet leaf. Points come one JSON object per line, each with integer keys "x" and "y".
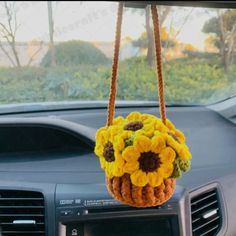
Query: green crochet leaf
{"x": 177, "y": 171}
{"x": 179, "y": 166}
{"x": 129, "y": 141}
{"x": 184, "y": 165}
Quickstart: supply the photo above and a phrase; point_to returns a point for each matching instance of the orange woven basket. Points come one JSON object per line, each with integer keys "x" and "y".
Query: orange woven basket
{"x": 121, "y": 188}
{"x": 124, "y": 191}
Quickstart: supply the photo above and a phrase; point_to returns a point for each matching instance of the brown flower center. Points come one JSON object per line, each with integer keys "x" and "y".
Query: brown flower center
{"x": 133, "y": 125}
{"x": 174, "y": 137}
{"x": 149, "y": 162}
{"x": 108, "y": 152}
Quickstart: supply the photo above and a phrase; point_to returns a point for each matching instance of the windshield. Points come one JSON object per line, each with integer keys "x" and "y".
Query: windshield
{"x": 62, "y": 51}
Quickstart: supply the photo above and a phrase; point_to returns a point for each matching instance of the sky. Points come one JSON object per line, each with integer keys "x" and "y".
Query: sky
{"x": 95, "y": 21}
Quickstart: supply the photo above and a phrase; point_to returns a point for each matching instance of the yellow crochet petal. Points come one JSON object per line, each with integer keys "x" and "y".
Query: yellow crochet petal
{"x": 119, "y": 161}
{"x": 144, "y": 117}
{"x": 126, "y": 134}
{"x": 102, "y": 136}
{"x": 118, "y": 170}
{"x": 170, "y": 125}
{"x": 119, "y": 143}
{"x": 143, "y": 143}
{"x": 184, "y": 153}
{"x": 114, "y": 131}
{"x": 102, "y": 163}
{"x": 160, "y": 127}
{"x": 109, "y": 171}
{"x": 130, "y": 154}
{"x": 166, "y": 170}
{"x": 167, "y": 155}
{"x": 134, "y": 116}
{"x": 99, "y": 150}
{"x": 158, "y": 143}
{"x": 139, "y": 178}
{"x": 172, "y": 143}
{"x": 100, "y": 132}
{"x": 119, "y": 120}
{"x": 180, "y": 136}
{"x": 148, "y": 129}
{"x": 149, "y": 120}
{"x": 154, "y": 179}
{"x": 139, "y": 132}
{"x": 130, "y": 167}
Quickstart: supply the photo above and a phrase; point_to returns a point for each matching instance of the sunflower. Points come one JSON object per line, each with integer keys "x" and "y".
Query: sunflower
{"x": 140, "y": 123}
{"x": 180, "y": 148}
{"x": 177, "y": 134}
{"x": 148, "y": 161}
{"x": 102, "y": 137}
{"x": 110, "y": 158}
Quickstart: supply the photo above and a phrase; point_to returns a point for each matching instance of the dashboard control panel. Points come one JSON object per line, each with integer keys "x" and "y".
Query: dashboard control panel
{"x": 79, "y": 206}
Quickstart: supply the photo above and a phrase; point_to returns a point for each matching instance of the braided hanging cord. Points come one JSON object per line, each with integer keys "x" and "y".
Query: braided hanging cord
{"x": 112, "y": 96}
{"x": 157, "y": 39}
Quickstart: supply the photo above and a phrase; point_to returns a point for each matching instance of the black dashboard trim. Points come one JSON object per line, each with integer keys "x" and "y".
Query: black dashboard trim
{"x": 83, "y": 133}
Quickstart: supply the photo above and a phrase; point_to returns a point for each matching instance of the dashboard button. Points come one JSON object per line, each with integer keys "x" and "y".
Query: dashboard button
{"x": 74, "y": 231}
{"x": 66, "y": 212}
{"x": 85, "y": 212}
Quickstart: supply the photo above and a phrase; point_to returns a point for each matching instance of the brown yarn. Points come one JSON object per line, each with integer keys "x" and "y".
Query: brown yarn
{"x": 157, "y": 39}
{"x": 124, "y": 191}
{"x": 112, "y": 96}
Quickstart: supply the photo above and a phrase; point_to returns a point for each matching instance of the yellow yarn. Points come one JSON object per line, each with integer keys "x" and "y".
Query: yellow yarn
{"x": 142, "y": 146}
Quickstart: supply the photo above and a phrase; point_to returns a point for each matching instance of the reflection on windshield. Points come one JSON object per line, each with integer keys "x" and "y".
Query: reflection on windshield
{"x": 62, "y": 51}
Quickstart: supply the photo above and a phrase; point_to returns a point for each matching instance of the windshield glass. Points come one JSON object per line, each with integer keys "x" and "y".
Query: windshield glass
{"x": 62, "y": 51}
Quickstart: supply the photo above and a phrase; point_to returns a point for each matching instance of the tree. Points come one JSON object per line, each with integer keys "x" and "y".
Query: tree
{"x": 166, "y": 40}
{"x": 8, "y": 32}
{"x": 51, "y": 33}
{"x": 168, "y": 36}
{"x": 223, "y": 27}
{"x": 149, "y": 38}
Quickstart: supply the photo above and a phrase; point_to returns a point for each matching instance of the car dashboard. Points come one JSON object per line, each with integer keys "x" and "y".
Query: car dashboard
{"x": 51, "y": 182}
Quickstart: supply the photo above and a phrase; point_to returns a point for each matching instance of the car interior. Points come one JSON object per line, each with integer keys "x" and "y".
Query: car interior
{"x": 51, "y": 182}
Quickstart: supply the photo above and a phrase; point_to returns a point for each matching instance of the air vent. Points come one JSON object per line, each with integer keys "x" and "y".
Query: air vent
{"x": 206, "y": 214}
{"x": 21, "y": 213}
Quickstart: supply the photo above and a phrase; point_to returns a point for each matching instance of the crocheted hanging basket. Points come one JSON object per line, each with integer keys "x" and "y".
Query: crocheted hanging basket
{"x": 141, "y": 154}
{"x": 142, "y": 157}
{"x": 124, "y": 191}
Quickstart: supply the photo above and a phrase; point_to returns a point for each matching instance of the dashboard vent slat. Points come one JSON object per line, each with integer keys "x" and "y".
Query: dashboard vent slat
{"x": 205, "y": 206}
{"x": 22, "y": 213}
{"x": 206, "y": 214}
